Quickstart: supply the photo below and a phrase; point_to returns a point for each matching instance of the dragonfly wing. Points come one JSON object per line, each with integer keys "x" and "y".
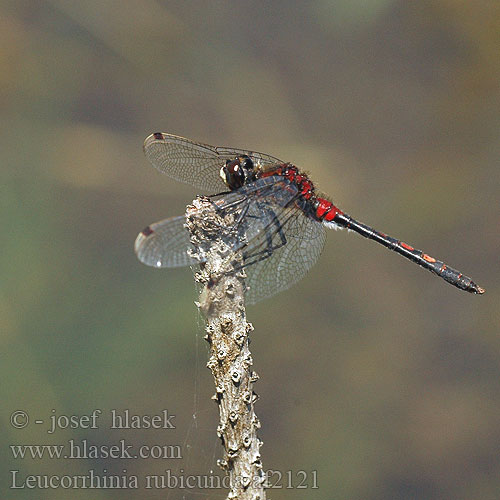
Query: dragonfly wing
{"x": 278, "y": 241}
{"x": 291, "y": 257}
{"x": 258, "y": 203}
{"x": 165, "y": 244}
{"x": 193, "y": 162}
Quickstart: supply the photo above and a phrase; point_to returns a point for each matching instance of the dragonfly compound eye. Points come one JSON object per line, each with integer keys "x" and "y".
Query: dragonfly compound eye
{"x": 246, "y": 162}
{"x": 233, "y": 174}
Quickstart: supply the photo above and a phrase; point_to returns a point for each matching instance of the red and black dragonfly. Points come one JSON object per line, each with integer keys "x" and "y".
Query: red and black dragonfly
{"x": 281, "y": 216}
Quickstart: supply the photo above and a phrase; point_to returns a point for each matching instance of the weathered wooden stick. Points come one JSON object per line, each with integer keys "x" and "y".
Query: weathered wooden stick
{"x": 222, "y": 302}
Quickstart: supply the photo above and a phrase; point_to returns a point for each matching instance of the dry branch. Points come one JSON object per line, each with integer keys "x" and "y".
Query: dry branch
{"x": 222, "y": 302}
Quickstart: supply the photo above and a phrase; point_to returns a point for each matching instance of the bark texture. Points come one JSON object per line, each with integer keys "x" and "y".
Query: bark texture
{"x": 222, "y": 302}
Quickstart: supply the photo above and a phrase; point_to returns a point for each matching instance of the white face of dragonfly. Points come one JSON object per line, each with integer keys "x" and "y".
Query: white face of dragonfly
{"x": 231, "y": 173}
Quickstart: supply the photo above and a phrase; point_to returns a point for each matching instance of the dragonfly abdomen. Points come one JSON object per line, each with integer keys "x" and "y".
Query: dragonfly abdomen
{"x": 424, "y": 260}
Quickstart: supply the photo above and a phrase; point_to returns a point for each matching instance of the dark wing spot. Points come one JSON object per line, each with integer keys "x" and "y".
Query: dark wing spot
{"x": 147, "y": 231}
{"x": 158, "y": 135}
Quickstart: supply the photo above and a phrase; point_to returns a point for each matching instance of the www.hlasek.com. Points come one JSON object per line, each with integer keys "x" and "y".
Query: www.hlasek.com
{"x": 82, "y": 449}
{"x": 272, "y": 479}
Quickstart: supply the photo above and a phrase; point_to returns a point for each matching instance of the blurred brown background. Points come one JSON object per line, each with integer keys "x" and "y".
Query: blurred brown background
{"x": 378, "y": 375}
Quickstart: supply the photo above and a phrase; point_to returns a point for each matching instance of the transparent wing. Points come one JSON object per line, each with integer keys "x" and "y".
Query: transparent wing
{"x": 279, "y": 242}
{"x": 258, "y": 204}
{"x": 164, "y": 244}
{"x": 296, "y": 241}
{"x": 192, "y": 162}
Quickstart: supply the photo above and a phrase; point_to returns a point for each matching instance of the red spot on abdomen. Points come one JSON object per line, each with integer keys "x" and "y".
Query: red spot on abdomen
{"x": 323, "y": 206}
{"x": 326, "y": 210}
{"x": 428, "y": 258}
{"x": 332, "y": 213}
{"x": 405, "y": 245}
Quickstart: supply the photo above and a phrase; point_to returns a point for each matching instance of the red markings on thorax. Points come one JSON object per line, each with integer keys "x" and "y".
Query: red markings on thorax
{"x": 291, "y": 173}
{"x": 300, "y": 180}
{"x": 275, "y": 170}
{"x": 325, "y": 209}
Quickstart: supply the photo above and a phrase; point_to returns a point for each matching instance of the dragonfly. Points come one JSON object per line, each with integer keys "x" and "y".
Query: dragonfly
{"x": 281, "y": 217}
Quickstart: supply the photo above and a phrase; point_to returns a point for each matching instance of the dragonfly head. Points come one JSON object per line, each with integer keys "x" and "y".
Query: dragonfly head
{"x": 236, "y": 172}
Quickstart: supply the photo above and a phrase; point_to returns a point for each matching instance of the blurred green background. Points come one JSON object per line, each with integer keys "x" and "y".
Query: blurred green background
{"x": 374, "y": 373}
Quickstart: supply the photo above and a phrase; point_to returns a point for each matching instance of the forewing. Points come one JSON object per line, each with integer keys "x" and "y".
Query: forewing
{"x": 165, "y": 244}
{"x": 193, "y": 162}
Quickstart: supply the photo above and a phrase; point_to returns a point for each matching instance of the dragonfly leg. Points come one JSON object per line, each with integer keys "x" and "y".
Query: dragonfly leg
{"x": 253, "y": 258}
{"x": 238, "y": 218}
